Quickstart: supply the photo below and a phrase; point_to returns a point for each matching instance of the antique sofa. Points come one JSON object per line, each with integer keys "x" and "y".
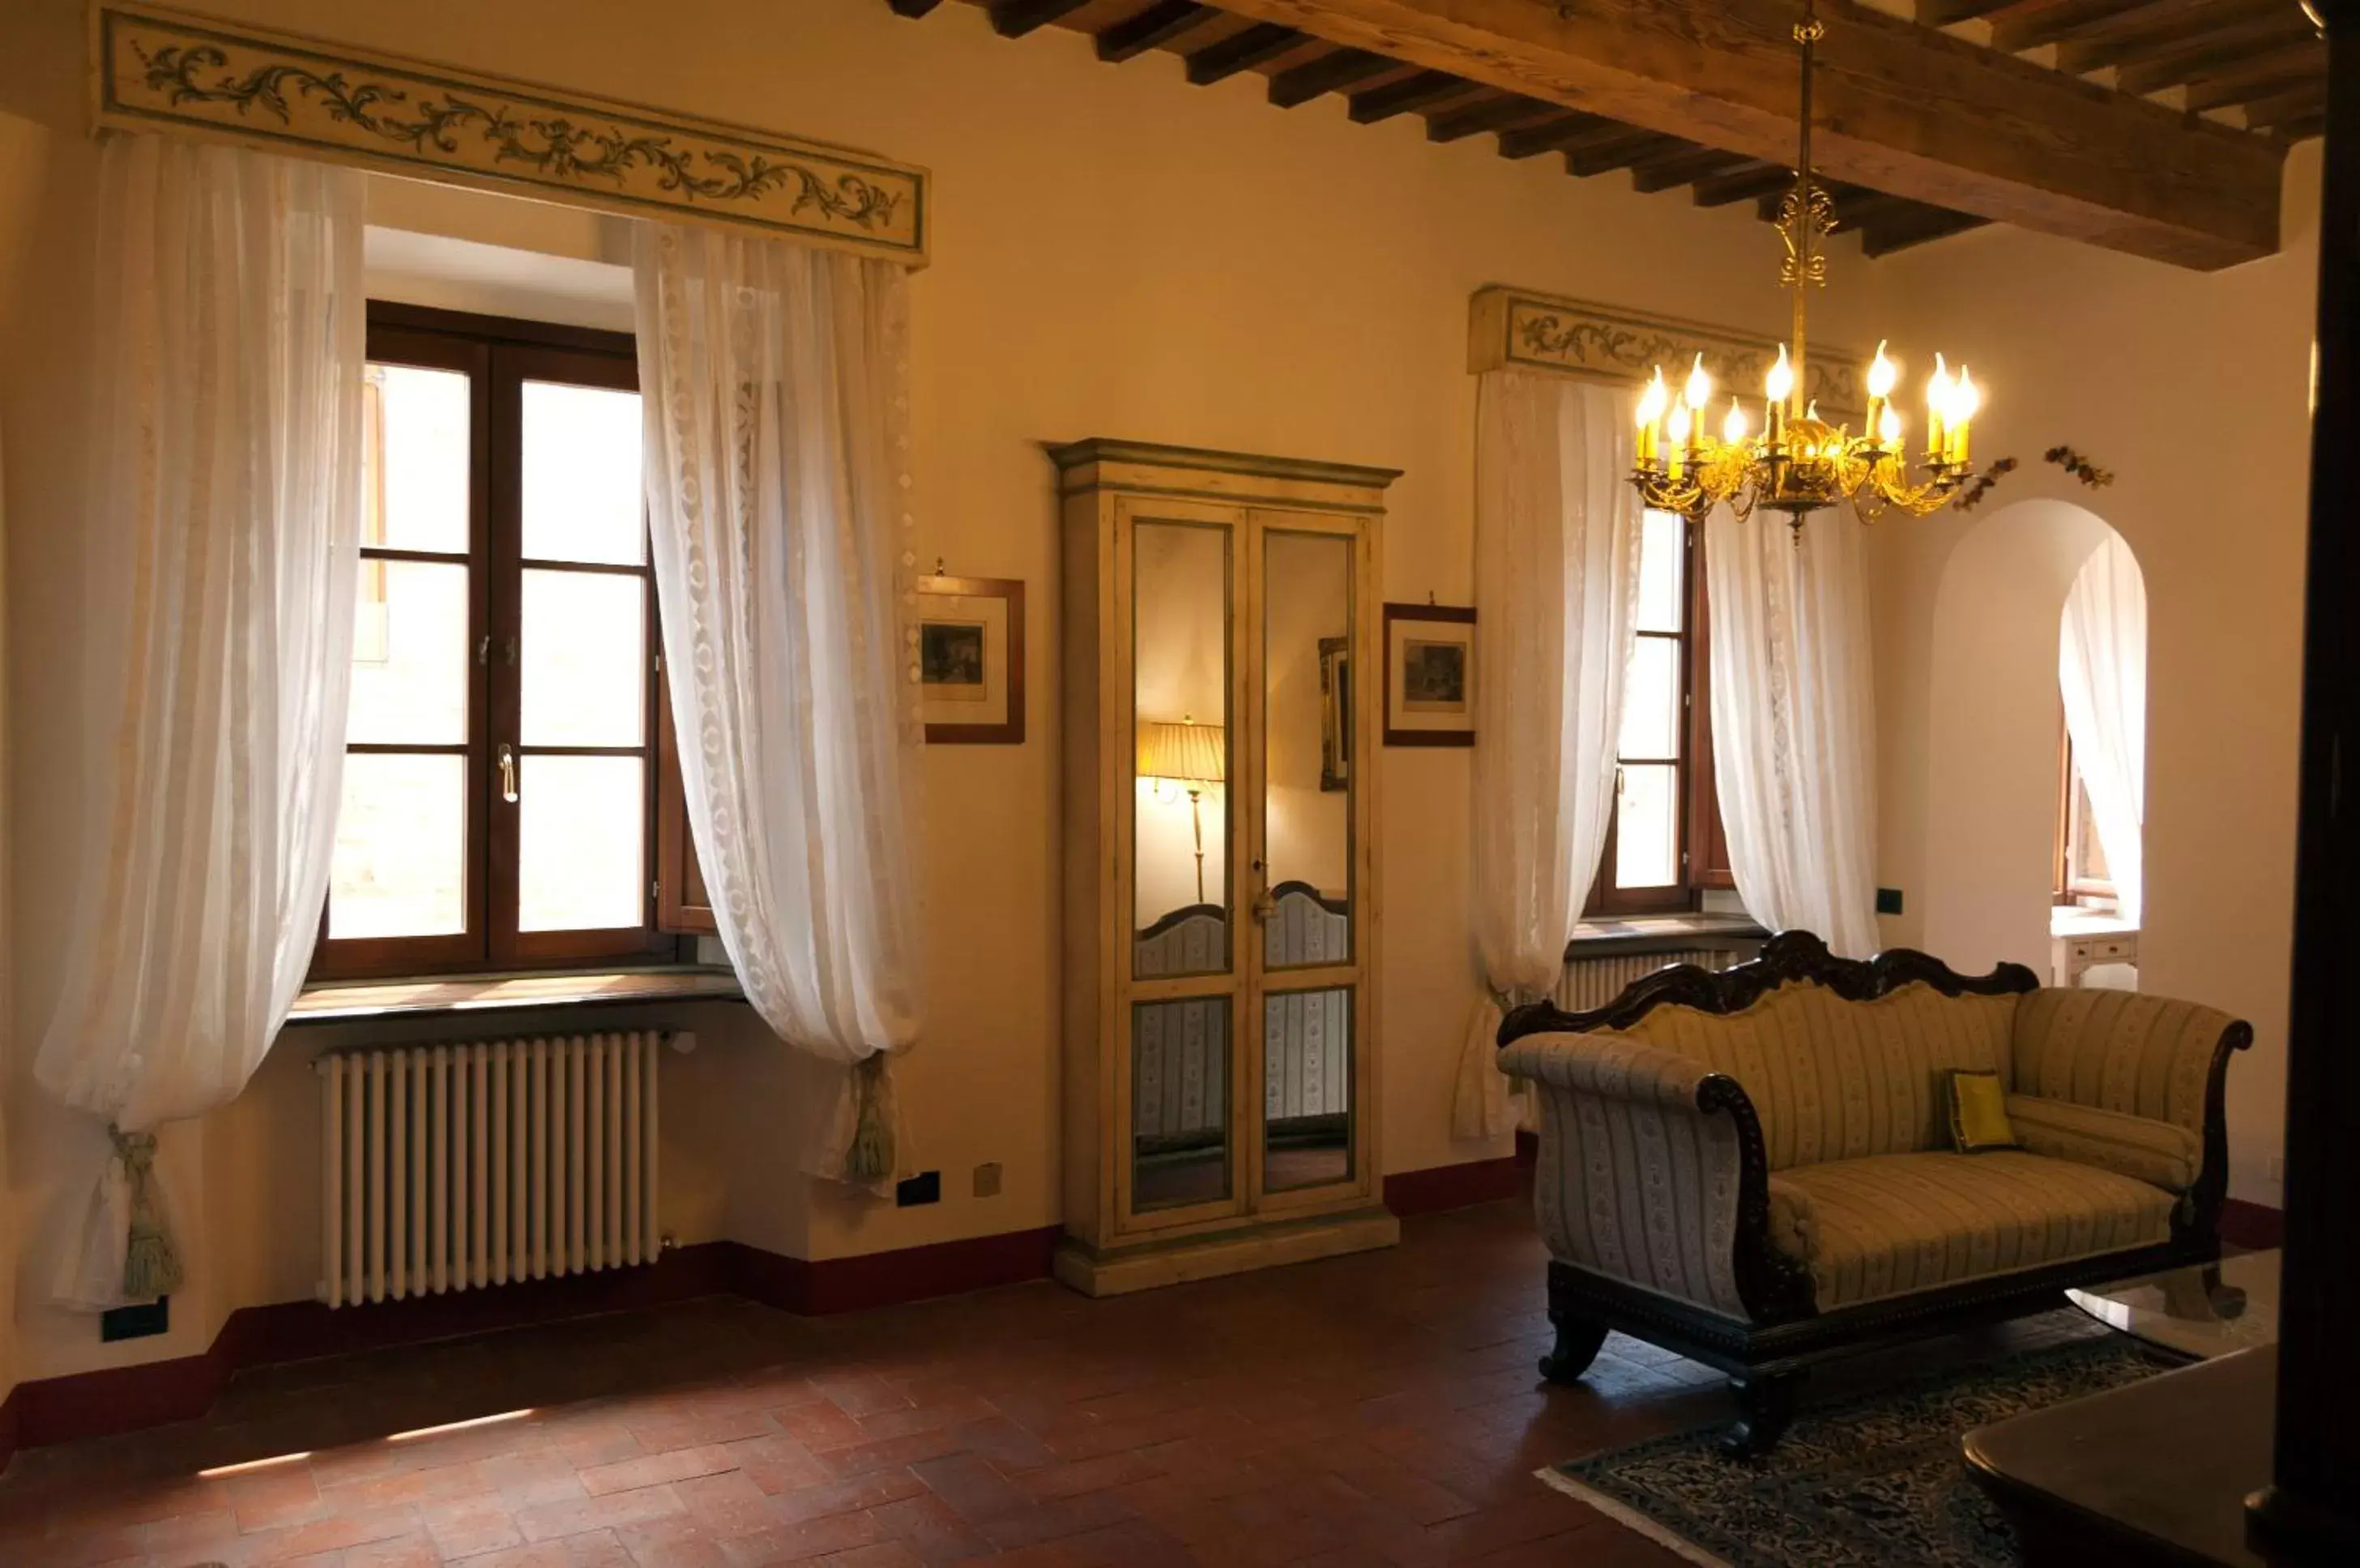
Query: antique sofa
{"x": 1754, "y": 1167}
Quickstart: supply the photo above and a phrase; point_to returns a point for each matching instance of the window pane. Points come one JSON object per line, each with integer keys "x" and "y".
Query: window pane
{"x": 1661, "y": 569}
{"x": 582, "y": 498}
{"x": 585, "y": 665}
{"x": 415, "y": 460}
{"x": 409, "y": 654}
{"x": 581, "y": 836}
{"x": 401, "y": 847}
{"x": 1651, "y": 700}
{"x": 1648, "y": 846}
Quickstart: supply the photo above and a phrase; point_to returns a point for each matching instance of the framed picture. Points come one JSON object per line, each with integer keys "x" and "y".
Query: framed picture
{"x": 970, "y": 660}
{"x": 1430, "y": 675}
{"x": 1334, "y": 715}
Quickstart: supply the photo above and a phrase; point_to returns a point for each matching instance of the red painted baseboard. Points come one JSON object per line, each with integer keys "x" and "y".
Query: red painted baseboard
{"x": 126, "y": 1399}
{"x": 2252, "y": 1225}
{"x": 1442, "y": 1187}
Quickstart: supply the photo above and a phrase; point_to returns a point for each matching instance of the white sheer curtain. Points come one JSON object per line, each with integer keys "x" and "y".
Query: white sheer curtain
{"x": 775, "y": 380}
{"x": 1557, "y": 574}
{"x": 1793, "y": 737}
{"x": 2102, "y": 670}
{"x": 221, "y": 540}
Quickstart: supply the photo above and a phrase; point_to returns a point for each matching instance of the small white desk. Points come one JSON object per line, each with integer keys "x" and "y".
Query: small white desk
{"x": 2080, "y": 940}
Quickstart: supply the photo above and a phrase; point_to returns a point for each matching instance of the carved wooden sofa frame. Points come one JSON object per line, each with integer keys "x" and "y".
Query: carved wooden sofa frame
{"x": 1766, "y": 1359}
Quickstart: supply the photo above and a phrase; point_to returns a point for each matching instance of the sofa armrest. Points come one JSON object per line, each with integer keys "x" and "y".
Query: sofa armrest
{"x": 2158, "y": 1153}
{"x": 1653, "y": 1171}
{"x": 2141, "y": 1056}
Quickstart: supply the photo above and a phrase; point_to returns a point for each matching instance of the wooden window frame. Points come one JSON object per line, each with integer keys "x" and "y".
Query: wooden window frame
{"x": 499, "y": 355}
{"x": 2066, "y": 889}
{"x": 1703, "y": 847}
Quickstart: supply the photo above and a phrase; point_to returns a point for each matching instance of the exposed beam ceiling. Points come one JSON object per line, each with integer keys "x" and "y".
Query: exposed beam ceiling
{"x": 1903, "y": 109}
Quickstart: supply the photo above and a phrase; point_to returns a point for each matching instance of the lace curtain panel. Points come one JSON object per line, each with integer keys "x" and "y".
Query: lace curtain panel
{"x": 1793, "y": 721}
{"x": 2102, "y": 670}
{"x": 775, "y": 380}
{"x": 1556, "y": 574}
{"x": 221, "y": 537}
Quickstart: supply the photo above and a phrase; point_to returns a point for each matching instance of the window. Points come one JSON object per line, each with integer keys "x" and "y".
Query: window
{"x": 1664, "y": 845}
{"x": 502, "y": 757}
{"x": 2080, "y": 875}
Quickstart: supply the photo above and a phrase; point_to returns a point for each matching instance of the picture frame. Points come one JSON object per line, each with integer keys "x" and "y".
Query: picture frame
{"x": 1334, "y": 715}
{"x": 970, "y": 660}
{"x": 1430, "y": 675}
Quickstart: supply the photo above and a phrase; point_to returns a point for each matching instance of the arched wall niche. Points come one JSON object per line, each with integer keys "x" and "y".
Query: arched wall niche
{"x": 1993, "y": 720}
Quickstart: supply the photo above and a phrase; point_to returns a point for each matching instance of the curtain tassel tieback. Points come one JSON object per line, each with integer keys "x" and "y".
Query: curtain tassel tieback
{"x": 151, "y": 1263}
{"x": 869, "y": 1158}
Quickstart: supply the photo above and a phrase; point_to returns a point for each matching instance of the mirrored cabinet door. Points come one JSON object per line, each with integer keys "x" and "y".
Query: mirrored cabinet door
{"x": 1181, "y": 618}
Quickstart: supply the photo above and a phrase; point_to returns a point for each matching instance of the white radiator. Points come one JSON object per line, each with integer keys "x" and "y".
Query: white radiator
{"x": 456, "y": 1167}
{"x": 1592, "y": 983}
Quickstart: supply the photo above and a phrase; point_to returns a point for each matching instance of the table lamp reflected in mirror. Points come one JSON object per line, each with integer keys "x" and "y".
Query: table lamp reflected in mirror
{"x": 1191, "y": 756}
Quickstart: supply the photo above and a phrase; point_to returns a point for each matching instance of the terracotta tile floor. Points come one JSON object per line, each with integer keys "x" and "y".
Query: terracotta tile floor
{"x": 1381, "y": 1409}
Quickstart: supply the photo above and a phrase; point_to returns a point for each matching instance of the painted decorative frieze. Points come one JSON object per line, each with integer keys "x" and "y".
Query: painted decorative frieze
{"x": 1511, "y": 328}
{"x": 159, "y": 70}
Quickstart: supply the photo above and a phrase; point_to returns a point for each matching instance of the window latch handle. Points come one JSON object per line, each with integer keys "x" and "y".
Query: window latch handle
{"x": 507, "y": 774}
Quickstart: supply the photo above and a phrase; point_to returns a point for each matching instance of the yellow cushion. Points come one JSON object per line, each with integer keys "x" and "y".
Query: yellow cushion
{"x": 1978, "y": 1104}
{"x": 1894, "y": 1224}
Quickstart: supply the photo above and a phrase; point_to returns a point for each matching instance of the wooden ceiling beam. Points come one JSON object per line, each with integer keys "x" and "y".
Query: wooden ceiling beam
{"x": 1745, "y": 184}
{"x": 1902, "y": 108}
{"x": 2051, "y": 23}
{"x": 2160, "y": 25}
{"x": 1422, "y": 91}
{"x": 1242, "y": 50}
{"x": 1528, "y": 141}
{"x": 1152, "y": 29}
{"x": 1921, "y": 226}
{"x": 2259, "y": 76}
{"x": 1489, "y": 114}
{"x": 2212, "y": 52}
{"x": 1672, "y": 170}
{"x": 1331, "y": 72}
{"x": 1946, "y": 12}
{"x": 2283, "y": 112}
{"x": 1617, "y": 149}
{"x": 1014, "y": 19}
{"x": 912, "y": 9}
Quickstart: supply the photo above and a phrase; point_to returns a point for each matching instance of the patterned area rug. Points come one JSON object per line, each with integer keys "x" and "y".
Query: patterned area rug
{"x": 1870, "y": 1481}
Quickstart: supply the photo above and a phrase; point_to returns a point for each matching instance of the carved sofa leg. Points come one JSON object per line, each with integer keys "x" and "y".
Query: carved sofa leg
{"x": 1765, "y": 1403}
{"x": 1578, "y": 1339}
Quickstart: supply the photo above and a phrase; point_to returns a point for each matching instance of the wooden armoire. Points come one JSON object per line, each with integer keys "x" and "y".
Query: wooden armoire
{"x": 1222, "y": 909}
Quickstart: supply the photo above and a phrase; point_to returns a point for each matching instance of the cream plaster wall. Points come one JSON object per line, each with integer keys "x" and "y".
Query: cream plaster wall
{"x": 1120, "y": 254}
{"x": 2192, "y": 389}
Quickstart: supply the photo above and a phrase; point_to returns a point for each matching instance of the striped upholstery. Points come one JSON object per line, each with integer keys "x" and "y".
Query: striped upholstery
{"x": 2155, "y": 1152}
{"x": 1634, "y": 1181}
{"x": 2118, "y": 1050}
{"x": 1896, "y": 1224}
{"x": 1838, "y": 1080}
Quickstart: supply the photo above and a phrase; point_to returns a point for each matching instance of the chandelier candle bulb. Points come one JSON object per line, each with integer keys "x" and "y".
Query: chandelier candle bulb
{"x": 1651, "y": 418}
{"x": 1733, "y": 428}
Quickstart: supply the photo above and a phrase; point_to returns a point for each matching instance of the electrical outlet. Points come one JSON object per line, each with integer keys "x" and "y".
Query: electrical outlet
{"x": 1888, "y": 901}
{"x": 987, "y": 1180}
{"x": 926, "y": 1187}
{"x": 137, "y": 1321}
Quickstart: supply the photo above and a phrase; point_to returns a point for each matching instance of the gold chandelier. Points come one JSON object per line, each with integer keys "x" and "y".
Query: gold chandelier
{"x": 1799, "y": 463}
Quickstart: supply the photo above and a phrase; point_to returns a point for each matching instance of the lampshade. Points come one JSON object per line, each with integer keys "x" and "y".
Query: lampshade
{"x": 1187, "y": 750}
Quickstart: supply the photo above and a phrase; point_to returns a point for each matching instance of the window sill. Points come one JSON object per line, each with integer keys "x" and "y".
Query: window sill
{"x": 345, "y": 1001}
{"x": 1646, "y": 934}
